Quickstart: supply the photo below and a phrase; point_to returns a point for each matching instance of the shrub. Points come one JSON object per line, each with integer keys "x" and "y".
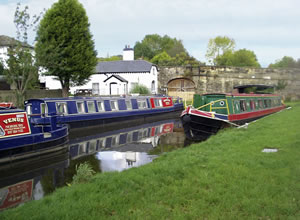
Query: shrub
{"x": 141, "y": 89}
{"x": 84, "y": 173}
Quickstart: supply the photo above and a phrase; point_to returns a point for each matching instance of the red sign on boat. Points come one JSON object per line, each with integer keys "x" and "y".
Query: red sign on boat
{"x": 13, "y": 124}
{"x": 16, "y": 194}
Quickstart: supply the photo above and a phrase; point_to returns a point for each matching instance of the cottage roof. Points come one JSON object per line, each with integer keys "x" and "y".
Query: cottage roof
{"x": 124, "y": 66}
{"x": 118, "y": 77}
{"x": 6, "y": 41}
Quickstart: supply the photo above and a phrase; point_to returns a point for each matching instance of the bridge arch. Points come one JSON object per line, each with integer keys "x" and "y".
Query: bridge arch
{"x": 182, "y": 87}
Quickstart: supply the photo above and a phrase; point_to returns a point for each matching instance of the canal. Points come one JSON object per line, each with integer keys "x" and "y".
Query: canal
{"x": 114, "y": 149}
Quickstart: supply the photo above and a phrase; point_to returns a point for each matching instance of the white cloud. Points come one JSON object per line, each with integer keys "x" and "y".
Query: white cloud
{"x": 267, "y": 27}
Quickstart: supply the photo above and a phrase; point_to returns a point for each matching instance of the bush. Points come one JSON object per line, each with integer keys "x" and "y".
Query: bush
{"x": 141, "y": 89}
{"x": 84, "y": 173}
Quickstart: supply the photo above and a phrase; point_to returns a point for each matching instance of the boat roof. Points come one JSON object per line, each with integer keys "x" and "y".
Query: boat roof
{"x": 241, "y": 94}
{"x": 258, "y": 86}
{"x": 93, "y": 98}
{"x": 7, "y": 111}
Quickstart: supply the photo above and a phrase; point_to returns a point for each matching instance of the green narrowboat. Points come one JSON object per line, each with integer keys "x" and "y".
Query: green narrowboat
{"x": 211, "y": 112}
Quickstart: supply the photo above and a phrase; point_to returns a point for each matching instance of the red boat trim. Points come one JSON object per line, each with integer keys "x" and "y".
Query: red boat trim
{"x": 254, "y": 114}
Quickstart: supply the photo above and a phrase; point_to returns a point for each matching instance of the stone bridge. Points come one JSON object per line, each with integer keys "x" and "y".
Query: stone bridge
{"x": 185, "y": 81}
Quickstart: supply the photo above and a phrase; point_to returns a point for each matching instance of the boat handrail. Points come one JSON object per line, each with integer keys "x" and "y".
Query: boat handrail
{"x": 213, "y": 102}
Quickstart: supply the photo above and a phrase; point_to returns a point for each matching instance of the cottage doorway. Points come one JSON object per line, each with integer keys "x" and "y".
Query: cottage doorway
{"x": 113, "y": 88}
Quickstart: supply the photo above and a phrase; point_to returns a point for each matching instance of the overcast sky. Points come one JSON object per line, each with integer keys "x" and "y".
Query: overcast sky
{"x": 270, "y": 28}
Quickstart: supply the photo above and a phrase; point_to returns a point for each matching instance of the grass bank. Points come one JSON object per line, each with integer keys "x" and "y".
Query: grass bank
{"x": 226, "y": 177}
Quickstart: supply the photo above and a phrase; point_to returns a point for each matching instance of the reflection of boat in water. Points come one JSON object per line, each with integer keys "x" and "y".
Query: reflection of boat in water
{"x": 32, "y": 178}
{"x": 123, "y": 148}
{"x": 122, "y": 139}
{"x": 211, "y": 112}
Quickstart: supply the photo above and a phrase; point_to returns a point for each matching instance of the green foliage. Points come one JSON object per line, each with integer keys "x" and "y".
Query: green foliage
{"x": 140, "y": 89}
{"x": 162, "y": 58}
{"x": 286, "y": 62}
{"x": 22, "y": 71}
{"x": 218, "y": 46}
{"x": 239, "y": 58}
{"x": 64, "y": 44}
{"x": 281, "y": 85}
{"x": 84, "y": 173}
{"x": 112, "y": 58}
{"x": 154, "y": 44}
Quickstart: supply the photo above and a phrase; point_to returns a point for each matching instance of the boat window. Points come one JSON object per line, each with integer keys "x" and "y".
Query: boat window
{"x": 44, "y": 109}
{"x": 260, "y": 103}
{"x": 142, "y": 104}
{"x": 61, "y": 108}
{"x": 265, "y": 103}
{"x": 243, "y": 105}
{"x": 92, "y": 146}
{"x": 80, "y": 107}
{"x": 91, "y": 107}
{"x": 29, "y": 110}
{"x": 128, "y": 104}
{"x": 100, "y": 106}
{"x": 236, "y": 103}
{"x": 114, "y": 105}
{"x": 252, "y": 105}
{"x": 158, "y": 102}
{"x": 269, "y": 103}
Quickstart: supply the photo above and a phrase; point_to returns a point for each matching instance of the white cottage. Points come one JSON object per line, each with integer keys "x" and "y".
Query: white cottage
{"x": 116, "y": 77}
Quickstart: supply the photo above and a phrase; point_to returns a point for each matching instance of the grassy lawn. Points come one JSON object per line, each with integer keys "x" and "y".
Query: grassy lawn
{"x": 226, "y": 177}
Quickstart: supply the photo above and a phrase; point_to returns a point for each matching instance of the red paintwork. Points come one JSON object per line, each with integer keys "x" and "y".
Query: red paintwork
{"x": 6, "y": 104}
{"x": 166, "y": 102}
{"x": 166, "y": 128}
{"x": 16, "y": 194}
{"x": 13, "y": 124}
{"x": 254, "y": 114}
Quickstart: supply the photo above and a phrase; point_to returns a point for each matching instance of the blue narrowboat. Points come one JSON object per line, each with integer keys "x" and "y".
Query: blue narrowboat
{"x": 18, "y": 135}
{"x": 81, "y": 112}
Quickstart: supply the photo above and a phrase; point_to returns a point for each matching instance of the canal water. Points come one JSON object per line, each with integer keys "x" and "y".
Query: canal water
{"x": 116, "y": 149}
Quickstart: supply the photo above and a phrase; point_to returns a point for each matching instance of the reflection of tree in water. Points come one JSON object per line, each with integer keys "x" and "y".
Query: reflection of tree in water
{"x": 71, "y": 170}
{"x": 52, "y": 179}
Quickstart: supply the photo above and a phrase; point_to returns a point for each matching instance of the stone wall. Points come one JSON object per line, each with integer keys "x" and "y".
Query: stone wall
{"x": 9, "y": 95}
{"x": 209, "y": 79}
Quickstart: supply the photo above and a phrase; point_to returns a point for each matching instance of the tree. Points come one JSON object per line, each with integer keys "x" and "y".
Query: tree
{"x": 286, "y": 62}
{"x": 112, "y": 58}
{"x": 217, "y": 47}
{"x": 64, "y": 44}
{"x": 154, "y": 44}
{"x": 239, "y": 58}
{"x": 1, "y": 68}
{"x": 161, "y": 59}
{"x": 22, "y": 71}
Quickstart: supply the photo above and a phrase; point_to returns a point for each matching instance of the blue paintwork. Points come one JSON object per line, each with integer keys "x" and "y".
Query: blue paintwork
{"x": 54, "y": 134}
{"x": 107, "y": 116}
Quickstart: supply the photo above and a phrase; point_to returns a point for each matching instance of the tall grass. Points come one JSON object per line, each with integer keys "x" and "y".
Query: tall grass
{"x": 226, "y": 177}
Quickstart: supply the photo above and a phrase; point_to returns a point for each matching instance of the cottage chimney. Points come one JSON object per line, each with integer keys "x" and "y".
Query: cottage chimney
{"x": 128, "y": 53}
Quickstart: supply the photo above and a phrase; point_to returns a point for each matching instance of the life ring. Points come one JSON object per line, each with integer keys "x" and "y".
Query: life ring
{"x": 222, "y": 103}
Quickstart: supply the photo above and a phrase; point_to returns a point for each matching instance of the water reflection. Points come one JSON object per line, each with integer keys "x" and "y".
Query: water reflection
{"x": 33, "y": 177}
